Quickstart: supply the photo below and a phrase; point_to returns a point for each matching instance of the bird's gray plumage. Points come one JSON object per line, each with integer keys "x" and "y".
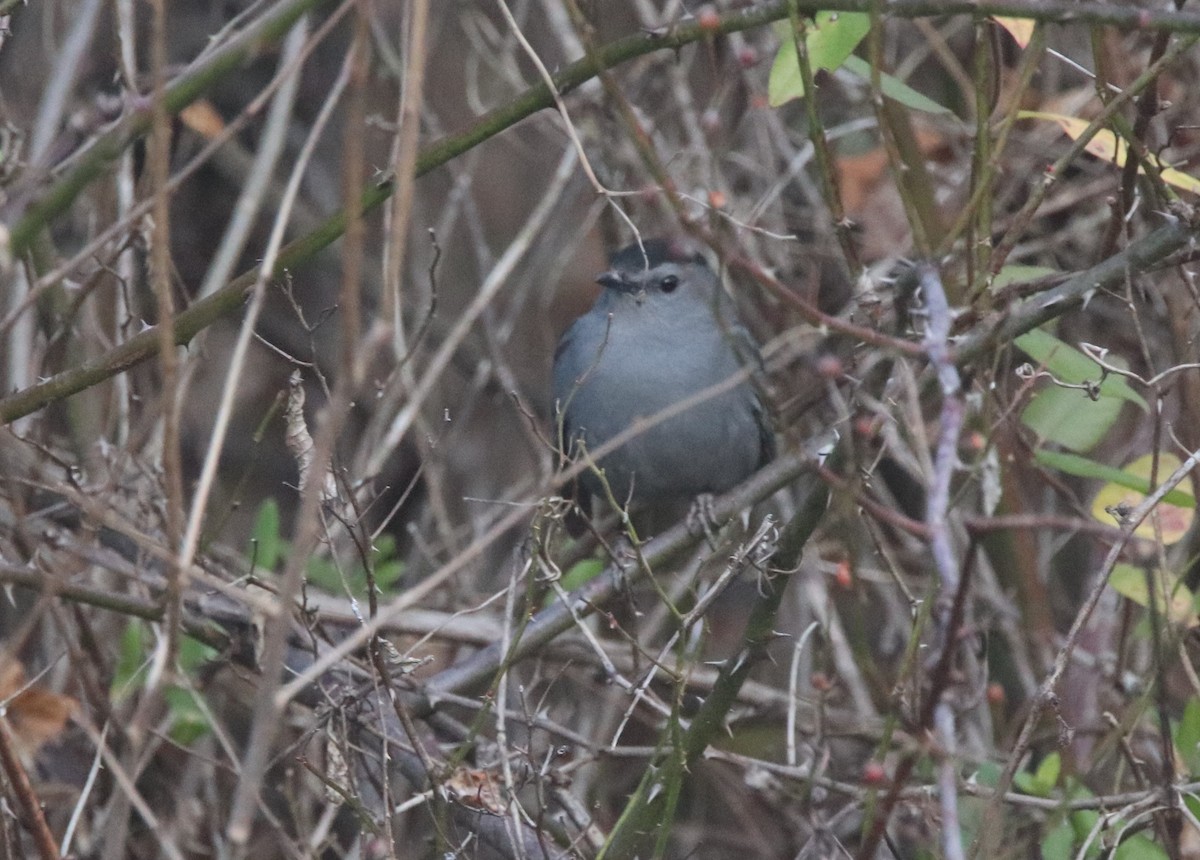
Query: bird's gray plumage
{"x": 656, "y": 336}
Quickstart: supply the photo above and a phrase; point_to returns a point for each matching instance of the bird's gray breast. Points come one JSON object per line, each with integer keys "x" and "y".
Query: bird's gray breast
{"x": 614, "y": 374}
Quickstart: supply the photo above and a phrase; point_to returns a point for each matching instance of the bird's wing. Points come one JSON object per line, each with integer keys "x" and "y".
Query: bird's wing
{"x": 766, "y": 434}
{"x": 746, "y": 348}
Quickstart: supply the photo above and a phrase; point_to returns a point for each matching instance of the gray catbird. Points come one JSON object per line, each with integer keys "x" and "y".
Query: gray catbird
{"x": 662, "y": 331}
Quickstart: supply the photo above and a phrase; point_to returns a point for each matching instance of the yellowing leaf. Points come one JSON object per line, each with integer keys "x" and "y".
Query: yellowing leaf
{"x": 1104, "y": 144}
{"x": 1021, "y": 29}
{"x": 1174, "y": 520}
{"x": 202, "y": 118}
{"x": 1130, "y": 582}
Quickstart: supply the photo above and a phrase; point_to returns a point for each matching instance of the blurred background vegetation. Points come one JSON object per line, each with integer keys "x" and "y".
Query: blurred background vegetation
{"x": 280, "y": 527}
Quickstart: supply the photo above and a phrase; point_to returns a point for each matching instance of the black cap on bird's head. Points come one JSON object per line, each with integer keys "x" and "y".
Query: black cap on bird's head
{"x": 652, "y": 253}
{"x": 649, "y": 254}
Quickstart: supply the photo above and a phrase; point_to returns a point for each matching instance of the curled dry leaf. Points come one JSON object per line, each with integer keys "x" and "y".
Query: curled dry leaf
{"x": 478, "y": 789}
{"x": 299, "y": 441}
{"x": 34, "y": 714}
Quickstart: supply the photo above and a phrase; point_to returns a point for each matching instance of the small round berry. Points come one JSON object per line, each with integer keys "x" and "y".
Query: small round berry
{"x": 873, "y": 773}
{"x": 830, "y": 367}
{"x": 843, "y": 576}
{"x": 865, "y": 427}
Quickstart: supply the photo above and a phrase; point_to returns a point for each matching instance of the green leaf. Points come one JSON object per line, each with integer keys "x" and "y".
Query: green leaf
{"x": 193, "y": 654}
{"x": 387, "y": 573}
{"x": 895, "y": 89}
{"x": 1083, "y": 820}
{"x": 352, "y": 580}
{"x": 1187, "y": 735}
{"x": 268, "y": 547}
{"x": 1082, "y": 467}
{"x": 1130, "y": 582}
{"x": 988, "y": 774}
{"x": 188, "y": 720}
{"x": 1192, "y": 803}
{"x": 1139, "y": 847}
{"x": 830, "y": 38}
{"x": 1046, "y": 775}
{"x": 581, "y": 573}
{"x": 1016, "y": 274}
{"x": 324, "y": 573}
{"x": 578, "y": 575}
{"x": 1070, "y": 365}
{"x": 1059, "y": 843}
{"x": 388, "y": 568}
{"x": 1043, "y": 780}
{"x": 1068, "y": 416}
{"x": 130, "y": 670}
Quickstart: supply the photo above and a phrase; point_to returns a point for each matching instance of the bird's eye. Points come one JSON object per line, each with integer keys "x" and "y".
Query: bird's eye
{"x": 669, "y": 283}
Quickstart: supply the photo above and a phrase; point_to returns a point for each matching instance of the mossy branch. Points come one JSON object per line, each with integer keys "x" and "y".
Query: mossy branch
{"x": 181, "y": 92}
{"x": 648, "y": 811}
{"x": 191, "y": 84}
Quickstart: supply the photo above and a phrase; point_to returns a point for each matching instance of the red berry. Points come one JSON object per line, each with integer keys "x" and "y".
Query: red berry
{"x": 873, "y": 773}
{"x": 709, "y": 20}
{"x": 843, "y": 576}
{"x": 865, "y": 427}
{"x": 830, "y": 367}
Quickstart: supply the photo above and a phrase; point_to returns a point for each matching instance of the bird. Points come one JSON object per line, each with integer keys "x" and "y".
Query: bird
{"x": 661, "y": 331}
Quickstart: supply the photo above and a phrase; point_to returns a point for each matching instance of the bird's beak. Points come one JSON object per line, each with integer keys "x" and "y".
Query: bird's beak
{"x": 613, "y": 280}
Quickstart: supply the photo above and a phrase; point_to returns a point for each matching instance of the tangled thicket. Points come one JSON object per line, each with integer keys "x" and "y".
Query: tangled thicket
{"x": 281, "y": 512}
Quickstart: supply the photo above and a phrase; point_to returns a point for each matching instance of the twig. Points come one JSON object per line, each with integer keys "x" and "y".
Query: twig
{"x": 648, "y": 812}
{"x": 58, "y": 88}
{"x": 267, "y": 711}
{"x": 53, "y": 201}
{"x": 825, "y": 163}
{"x": 281, "y": 107}
{"x": 271, "y": 143}
{"x": 936, "y": 714}
{"x": 27, "y": 799}
{"x": 1021, "y": 220}
{"x": 172, "y": 382}
{"x": 1138, "y": 257}
{"x": 937, "y": 337}
{"x": 1045, "y": 695}
{"x": 431, "y": 375}
{"x": 404, "y": 160}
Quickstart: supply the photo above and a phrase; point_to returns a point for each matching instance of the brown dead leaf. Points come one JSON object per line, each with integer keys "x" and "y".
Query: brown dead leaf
{"x": 870, "y": 198}
{"x": 478, "y": 789}
{"x": 34, "y": 714}
{"x": 859, "y": 176}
